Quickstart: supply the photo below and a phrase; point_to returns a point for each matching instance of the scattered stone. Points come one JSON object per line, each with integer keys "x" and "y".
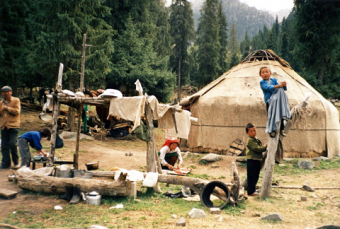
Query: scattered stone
{"x": 282, "y": 165}
{"x": 315, "y": 196}
{"x": 215, "y": 210}
{"x": 308, "y": 188}
{"x": 197, "y": 213}
{"x": 220, "y": 219}
{"x": 303, "y": 198}
{"x": 137, "y": 200}
{"x": 214, "y": 166}
{"x": 256, "y": 215}
{"x": 174, "y": 216}
{"x": 211, "y": 157}
{"x": 9, "y": 194}
{"x": 181, "y": 222}
{"x": 274, "y": 216}
{"x": 243, "y": 211}
{"x": 305, "y": 164}
{"x": 58, "y": 207}
{"x": 96, "y": 227}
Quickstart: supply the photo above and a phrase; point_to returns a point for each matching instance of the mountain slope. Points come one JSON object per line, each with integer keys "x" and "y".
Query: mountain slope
{"x": 244, "y": 17}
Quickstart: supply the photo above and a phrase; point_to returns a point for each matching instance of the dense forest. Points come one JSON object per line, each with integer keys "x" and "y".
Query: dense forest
{"x": 159, "y": 45}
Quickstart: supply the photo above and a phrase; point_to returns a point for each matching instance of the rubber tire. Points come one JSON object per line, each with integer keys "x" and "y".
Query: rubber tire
{"x": 208, "y": 190}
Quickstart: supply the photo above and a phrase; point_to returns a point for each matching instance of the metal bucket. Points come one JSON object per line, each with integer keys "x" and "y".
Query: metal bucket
{"x": 83, "y": 174}
{"x": 64, "y": 173}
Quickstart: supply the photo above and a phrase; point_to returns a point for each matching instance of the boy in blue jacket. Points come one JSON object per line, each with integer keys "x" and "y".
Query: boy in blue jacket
{"x": 268, "y": 85}
{"x": 33, "y": 139}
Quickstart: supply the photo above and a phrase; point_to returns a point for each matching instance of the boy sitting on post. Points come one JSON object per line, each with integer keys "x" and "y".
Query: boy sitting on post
{"x": 254, "y": 158}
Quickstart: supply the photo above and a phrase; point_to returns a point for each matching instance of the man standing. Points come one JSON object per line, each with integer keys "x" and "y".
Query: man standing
{"x": 9, "y": 124}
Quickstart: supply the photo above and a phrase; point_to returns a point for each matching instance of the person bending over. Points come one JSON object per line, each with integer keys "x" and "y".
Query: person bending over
{"x": 169, "y": 154}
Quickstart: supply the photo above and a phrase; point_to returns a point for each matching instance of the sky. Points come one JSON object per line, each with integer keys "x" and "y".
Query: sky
{"x": 271, "y": 5}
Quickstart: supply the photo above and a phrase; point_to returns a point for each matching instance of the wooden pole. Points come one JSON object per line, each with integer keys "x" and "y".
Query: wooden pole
{"x": 179, "y": 80}
{"x": 152, "y": 162}
{"x": 78, "y": 138}
{"x": 272, "y": 147}
{"x": 83, "y": 64}
{"x": 56, "y": 109}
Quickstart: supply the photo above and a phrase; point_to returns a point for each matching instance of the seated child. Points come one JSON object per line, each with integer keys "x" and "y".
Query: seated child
{"x": 268, "y": 85}
{"x": 169, "y": 154}
{"x": 254, "y": 158}
{"x": 33, "y": 139}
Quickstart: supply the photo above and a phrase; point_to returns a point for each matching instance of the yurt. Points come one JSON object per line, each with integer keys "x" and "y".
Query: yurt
{"x": 226, "y": 105}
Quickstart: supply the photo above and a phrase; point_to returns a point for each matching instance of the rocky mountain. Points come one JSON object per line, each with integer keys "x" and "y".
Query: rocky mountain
{"x": 245, "y": 17}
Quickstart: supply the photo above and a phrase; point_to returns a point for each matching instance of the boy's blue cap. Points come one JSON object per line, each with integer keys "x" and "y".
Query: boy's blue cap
{"x": 6, "y": 88}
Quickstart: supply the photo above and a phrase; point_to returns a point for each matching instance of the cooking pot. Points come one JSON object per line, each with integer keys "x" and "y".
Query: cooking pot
{"x": 93, "y": 198}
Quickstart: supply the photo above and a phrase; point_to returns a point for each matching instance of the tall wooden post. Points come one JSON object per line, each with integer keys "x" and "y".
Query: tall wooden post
{"x": 76, "y": 155}
{"x": 83, "y": 64}
{"x": 179, "y": 80}
{"x": 55, "y": 114}
{"x": 270, "y": 160}
{"x": 152, "y": 162}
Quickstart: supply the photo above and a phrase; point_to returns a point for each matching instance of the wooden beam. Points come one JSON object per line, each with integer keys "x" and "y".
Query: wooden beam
{"x": 94, "y": 101}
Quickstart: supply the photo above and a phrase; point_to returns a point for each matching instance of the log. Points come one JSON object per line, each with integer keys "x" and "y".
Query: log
{"x": 272, "y": 147}
{"x": 195, "y": 184}
{"x": 29, "y": 180}
{"x": 95, "y": 101}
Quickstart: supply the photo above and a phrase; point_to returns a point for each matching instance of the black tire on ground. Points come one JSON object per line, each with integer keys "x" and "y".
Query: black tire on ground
{"x": 208, "y": 190}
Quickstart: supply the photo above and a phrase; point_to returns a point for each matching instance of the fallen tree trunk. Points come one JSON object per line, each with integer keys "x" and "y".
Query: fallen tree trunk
{"x": 194, "y": 184}
{"x": 29, "y": 180}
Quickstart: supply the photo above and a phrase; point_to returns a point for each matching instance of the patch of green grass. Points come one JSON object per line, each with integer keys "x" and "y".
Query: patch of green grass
{"x": 201, "y": 176}
{"x": 329, "y": 164}
{"x": 203, "y": 162}
{"x": 312, "y": 208}
{"x": 242, "y": 165}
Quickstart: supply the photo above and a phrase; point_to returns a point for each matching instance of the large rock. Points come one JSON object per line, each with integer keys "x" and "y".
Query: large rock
{"x": 197, "y": 213}
{"x": 274, "y": 216}
{"x": 305, "y": 164}
{"x": 211, "y": 157}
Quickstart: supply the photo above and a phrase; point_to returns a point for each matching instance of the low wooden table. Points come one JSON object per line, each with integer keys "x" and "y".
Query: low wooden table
{"x": 38, "y": 161}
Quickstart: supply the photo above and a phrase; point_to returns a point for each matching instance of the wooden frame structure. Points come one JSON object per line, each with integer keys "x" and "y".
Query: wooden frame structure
{"x": 59, "y": 98}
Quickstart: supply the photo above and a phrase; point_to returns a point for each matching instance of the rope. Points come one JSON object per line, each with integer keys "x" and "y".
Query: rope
{"x": 300, "y": 115}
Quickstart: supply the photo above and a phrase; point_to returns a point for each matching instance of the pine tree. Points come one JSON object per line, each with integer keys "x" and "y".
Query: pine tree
{"x": 183, "y": 33}
{"x": 233, "y": 47}
{"x": 245, "y": 45}
{"x": 208, "y": 43}
{"x": 135, "y": 58}
{"x": 57, "y": 29}
{"x": 223, "y": 38}
{"x": 317, "y": 30}
{"x": 13, "y": 42}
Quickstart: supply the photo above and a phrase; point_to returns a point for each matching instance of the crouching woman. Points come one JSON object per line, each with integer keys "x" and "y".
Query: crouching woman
{"x": 169, "y": 154}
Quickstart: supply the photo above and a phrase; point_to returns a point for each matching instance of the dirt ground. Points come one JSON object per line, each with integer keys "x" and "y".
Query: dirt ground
{"x": 111, "y": 153}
